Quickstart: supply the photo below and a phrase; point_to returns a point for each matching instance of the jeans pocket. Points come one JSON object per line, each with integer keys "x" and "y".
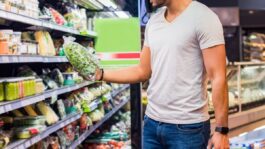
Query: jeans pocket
{"x": 145, "y": 119}
{"x": 190, "y": 127}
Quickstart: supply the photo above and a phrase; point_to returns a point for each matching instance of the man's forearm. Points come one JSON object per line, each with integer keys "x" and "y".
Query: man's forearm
{"x": 133, "y": 74}
{"x": 220, "y": 101}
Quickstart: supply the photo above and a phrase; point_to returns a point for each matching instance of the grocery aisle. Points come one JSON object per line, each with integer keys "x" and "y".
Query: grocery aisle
{"x": 46, "y": 47}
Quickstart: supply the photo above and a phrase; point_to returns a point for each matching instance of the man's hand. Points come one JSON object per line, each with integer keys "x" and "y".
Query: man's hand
{"x": 219, "y": 141}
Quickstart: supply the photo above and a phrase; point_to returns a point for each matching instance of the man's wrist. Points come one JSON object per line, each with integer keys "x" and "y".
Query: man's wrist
{"x": 222, "y": 130}
{"x": 98, "y": 74}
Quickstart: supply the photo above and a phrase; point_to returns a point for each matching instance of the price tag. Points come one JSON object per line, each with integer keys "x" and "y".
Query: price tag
{"x": 21, "y": 146}
{"x": 36, "y": 139}
{"x": 27, "y": 144}
{"x": 46, "y": 59}
{"x": 69, "y": 89}
{"x": 62, "y": 125}
{"x": 24, "y": 102}
{"x": 8, "y": 107}
{"x": 59, "y": 59}
{"x": 5, "y": 59}
{"x": 2, "y": 110}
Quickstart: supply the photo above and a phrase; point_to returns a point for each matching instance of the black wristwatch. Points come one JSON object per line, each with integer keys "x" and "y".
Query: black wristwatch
{"x": 222, "y": 130}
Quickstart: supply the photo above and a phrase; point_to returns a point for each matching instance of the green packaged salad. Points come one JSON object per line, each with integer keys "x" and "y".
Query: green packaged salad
{"x": 84, "y": 60}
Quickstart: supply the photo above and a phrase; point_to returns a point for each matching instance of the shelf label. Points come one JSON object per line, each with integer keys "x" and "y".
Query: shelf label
{"x": 5, "y": 59}
{"x": 62, "y": 125}
{"x": 14, "y": 59}
{"x": 21, "y": 146}
{"x": 27, "y": 144}
{"x": 46, "y": 59}
{"x": 2, "y": 110}
{"x": 36, "y": 139}
{"x": 8, "y": 107}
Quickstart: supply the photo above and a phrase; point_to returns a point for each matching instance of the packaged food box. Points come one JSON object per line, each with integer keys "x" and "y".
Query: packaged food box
{"x": 28, "y": 131}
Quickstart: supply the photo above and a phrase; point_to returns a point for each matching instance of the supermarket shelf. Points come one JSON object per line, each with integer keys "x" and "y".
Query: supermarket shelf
{"x": 97, "y": 125}
{"x": 116, "y": 92}
{"x": 16, "y": 104}
{"x": 6, "y": 59}
{"x": 40, "y": 23}
{"x": 25, "y": 143}
{"x": 244, "y": 118}
{"x": 90, "y": 4}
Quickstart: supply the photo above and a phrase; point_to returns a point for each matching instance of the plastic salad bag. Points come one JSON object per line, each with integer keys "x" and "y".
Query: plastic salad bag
{"x": 84, "y": 60}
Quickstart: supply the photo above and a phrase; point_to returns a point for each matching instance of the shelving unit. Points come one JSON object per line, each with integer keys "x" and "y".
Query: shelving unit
{"x": 10, "y": 16}
{"x": 97, "y": 125}
{"x": 11, "y": 59}
{"x": 16, "y": 104}
{"x": 25, "y": 143}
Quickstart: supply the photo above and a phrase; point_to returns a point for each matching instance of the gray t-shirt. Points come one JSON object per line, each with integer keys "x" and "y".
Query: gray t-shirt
{"x": 177, "y": 90}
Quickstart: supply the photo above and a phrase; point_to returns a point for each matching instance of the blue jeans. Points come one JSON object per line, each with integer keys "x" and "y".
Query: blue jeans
{"x": 158, "y": 135}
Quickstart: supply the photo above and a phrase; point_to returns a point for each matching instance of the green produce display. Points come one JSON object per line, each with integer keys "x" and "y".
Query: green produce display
{"x": 83, "y": 60}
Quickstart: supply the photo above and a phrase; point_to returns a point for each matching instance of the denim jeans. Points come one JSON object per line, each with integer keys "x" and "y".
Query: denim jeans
{"x": 158, "y": 135}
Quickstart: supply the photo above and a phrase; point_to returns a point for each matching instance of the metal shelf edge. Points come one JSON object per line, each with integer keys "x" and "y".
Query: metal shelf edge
{"x": 31, "y": 141}
{"x": 94, "y": 127}
{"x": 40, "y": 23}
{"x": 116, "y": 92}
{"x": 16, "y": 104}
{"x": 7, "y": 59}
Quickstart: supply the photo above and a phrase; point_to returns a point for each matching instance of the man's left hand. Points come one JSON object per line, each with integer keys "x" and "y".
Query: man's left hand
{"x": 219, "y": 141}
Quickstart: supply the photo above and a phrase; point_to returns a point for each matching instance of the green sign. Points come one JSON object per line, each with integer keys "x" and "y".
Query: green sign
{"x": 118, "y": 42}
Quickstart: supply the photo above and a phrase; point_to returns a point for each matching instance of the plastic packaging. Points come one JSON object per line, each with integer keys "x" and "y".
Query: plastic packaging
{"x": 40, "y": 88}
{"x": 28, "y": 131}
{"x": 47, "y": 111}
{"x": 82, "y": 59}
{"x": 61, "y": 109}
{"x": 46, "y": 46}
{"x": 13, "y": 89}
{"x": 29, "y": 120}
{"x": 29, "y": 85}
{"x": 68, "y": 79}
{"x": 4, "y": 49}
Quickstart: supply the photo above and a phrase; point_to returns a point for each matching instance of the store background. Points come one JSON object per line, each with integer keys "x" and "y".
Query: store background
{"x": 36, "y": 78}
{"x": 244, "y": 28}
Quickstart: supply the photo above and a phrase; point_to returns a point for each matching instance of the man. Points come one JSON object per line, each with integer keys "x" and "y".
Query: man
{"x": 183, "y": 48}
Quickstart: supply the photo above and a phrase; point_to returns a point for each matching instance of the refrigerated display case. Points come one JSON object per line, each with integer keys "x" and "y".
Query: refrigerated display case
{"x": 246, "y": 91}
